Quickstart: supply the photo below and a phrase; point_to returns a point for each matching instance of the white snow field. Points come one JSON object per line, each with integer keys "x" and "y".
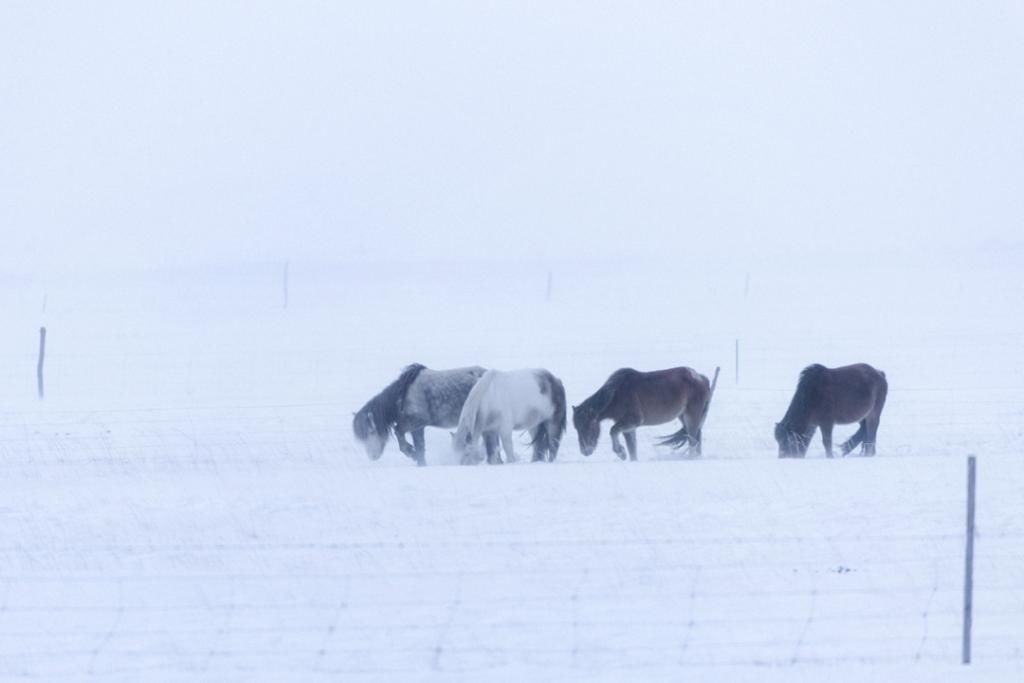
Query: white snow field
{"x": 188, "y": 502}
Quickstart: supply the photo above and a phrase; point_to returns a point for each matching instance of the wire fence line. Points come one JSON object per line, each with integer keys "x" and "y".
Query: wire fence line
{"x": 489, "y": 597}
{"x": 345, "y": 623}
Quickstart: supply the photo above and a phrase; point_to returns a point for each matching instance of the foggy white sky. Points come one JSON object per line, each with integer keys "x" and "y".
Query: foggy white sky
{"x": 145, "y": 134}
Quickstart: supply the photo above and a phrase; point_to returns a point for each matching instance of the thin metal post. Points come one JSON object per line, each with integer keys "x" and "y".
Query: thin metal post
{"x": 737, "y": 361}
{"x": 42, "y": 357}
{"x": 969, "y": 562}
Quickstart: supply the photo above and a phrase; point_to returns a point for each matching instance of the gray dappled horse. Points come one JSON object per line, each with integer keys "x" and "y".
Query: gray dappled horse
{"x": 632, "y": 399}
{"x": 826, "y": 397}
{"x": 419, "y": 398}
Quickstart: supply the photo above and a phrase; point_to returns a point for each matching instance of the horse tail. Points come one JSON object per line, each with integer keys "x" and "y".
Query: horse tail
{"x": 854, "y": 440}
{"x": 676, "y": 440}
{"x": 549, "y": 433}
{"x": 683, "y": 437}
{"x": 558, "y": 419}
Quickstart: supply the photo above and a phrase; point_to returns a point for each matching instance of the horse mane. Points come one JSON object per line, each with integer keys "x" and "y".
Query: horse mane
{"x": 471, "y": 407}
{"x": 386, "y": 406}
{"x": 602, "y": 398}
{"x": 807, "y": 389}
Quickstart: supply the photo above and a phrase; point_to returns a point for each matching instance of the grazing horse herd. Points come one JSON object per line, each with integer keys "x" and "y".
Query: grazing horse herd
{"x": 486, "y": 407}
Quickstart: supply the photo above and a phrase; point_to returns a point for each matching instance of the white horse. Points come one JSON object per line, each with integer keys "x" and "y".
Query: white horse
{"x": 503, "y": 402}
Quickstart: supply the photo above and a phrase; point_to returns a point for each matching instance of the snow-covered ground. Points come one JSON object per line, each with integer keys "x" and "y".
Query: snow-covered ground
{"x": 188, "y": 501}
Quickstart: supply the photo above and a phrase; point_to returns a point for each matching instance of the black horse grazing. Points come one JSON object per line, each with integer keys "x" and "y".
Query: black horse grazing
{"x": 419, "y": 398}
{"x": 829, "y": 396}
{"x": 634, "y": 399}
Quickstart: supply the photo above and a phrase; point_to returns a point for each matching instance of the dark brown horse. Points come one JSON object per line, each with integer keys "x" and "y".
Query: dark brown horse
{"x": 829, "y": 396}
{"x": 634, "y": 399}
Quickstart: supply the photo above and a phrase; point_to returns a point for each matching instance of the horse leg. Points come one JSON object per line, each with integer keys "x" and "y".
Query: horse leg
{"x": 826, "y": 437}
{"x": 871, "y": 432}
{"x": 630, "y": 438}
{"x": 871, "y": 427}
{"x": 420, "y": 446}
{"x": 509, "y": 446}
{"x": 404, "y": 445}
{"x": 491, "y": 446}
{"x": 616, "y": 429}
{"x": 853, "y": 441}
{"x": 693, "y": 427}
